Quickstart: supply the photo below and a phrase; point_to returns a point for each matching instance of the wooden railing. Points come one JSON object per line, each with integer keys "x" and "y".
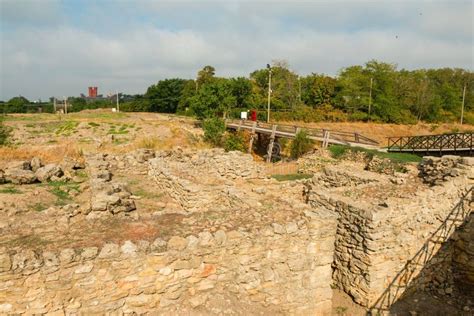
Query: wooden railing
{"x": 290, "y": 131}
{"x": 456, "y": 142}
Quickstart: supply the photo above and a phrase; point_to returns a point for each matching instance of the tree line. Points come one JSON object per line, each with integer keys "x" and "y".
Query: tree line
{"x": 376, "y": 91}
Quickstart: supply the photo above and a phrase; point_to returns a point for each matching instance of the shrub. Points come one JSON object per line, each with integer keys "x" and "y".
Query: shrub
{"x": 301, "y": 144}
{"x": 234, "y": 141}
{"x": 4, "y": 133}
{"x": 214, "y": 129}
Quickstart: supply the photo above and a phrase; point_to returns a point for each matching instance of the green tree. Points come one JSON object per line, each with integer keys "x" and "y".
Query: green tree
{"x": 189, "y": 91}
{"x": 17, "y": 105}
{"x": 242, "y": 91}
{"x": 205, "y": 76}
{"x": 213, "y": 99}
{"x": 165, "y": 95}
{"x": 318, "y": 90}
{"x": 285, "y": 87}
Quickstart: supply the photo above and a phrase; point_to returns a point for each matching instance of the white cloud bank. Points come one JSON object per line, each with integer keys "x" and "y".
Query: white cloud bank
{"x": 125, "y": 51}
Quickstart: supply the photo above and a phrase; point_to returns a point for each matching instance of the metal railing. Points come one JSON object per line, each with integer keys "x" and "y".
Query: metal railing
{"x": 414, "y": 267}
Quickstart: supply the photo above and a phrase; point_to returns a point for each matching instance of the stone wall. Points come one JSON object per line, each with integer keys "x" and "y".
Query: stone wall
{"x": 285, "y": 265}
{"x": 436, "y": 170}
{"x": 197, "y": 180}
{"x": 463, "y": 258}
{"x": 381, "y": 227}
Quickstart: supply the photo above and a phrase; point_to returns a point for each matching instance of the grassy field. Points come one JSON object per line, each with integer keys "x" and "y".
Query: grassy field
{"x": 337, "y": 151}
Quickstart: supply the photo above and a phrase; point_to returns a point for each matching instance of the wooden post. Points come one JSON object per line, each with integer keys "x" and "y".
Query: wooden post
{"x": 240, "y": 126}
{"x": 325, "y": 139}
{"x": 270, "y": 145}
{"x": 252, "y": 136}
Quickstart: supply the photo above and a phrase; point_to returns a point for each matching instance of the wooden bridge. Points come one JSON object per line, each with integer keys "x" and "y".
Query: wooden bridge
{"x": 288, "y": 131}
{"x": 455, "y": 143}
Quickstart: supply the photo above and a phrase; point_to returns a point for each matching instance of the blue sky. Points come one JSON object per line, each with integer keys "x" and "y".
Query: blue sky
{"x": 56, "y": 48}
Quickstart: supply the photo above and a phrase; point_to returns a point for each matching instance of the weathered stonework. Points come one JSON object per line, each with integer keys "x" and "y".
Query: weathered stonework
{"x": 107, "y": 196}
{"x": 285, "y": 265}
{"x": 377, "y": 234}
{"x": 200, "y": 179}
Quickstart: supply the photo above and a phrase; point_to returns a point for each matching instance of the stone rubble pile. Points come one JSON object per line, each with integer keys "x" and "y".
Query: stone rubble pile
{"x": 135, "y": 161}
{"x": 200, "y": 179}
{"x": 107, "y": 196}
{"x": 384, "y": 166}
{"x": 313, "y": 162}
{"x": 31, "y": 171}
{"x": 437, "y": 170}
{"x": 334, "y": 177}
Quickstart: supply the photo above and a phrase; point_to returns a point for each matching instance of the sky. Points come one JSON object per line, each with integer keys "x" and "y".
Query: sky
{"x": 60, "y": 47}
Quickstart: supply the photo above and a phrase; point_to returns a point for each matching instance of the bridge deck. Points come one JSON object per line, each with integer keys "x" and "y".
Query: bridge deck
{"x": 289, "y": 131}
{"x": 461, "y": 143}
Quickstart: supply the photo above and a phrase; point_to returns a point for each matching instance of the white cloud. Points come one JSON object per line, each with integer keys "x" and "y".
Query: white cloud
{"x": 132, "y": 54}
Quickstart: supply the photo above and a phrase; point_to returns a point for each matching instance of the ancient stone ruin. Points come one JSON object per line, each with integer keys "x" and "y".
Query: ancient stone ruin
{"x": 246, "y": 243}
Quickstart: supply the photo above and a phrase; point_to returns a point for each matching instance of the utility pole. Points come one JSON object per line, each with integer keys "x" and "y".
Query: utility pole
{"x": 462, "y": 106}
{"x": 370, "y": 95}
{"x": 65, "y": 105}
{"x": 118, "y": 106}
{"x": 269, "y": 91}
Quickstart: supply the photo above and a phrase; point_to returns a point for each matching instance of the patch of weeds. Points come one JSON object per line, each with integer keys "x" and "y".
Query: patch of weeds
{"x": 86, "y": 140}
{"x": 120, "y": 141}
{"x": 94, "y": 124}
{"x": 82, "y": 174}
{"x": 149, "y": 143}
{"x": 51, "y": 141}
{"x": 121, "y": 130}
{"x": 338, "y": 151}
{"x": 291, "y": 176}
{"x": 193, "y": 139}
{"x": 10, "y": 190}
{"x": 341, "y": 310}
{"x": 38, "y": 207}
{"x": 67, "y": 128}
{"x": 148, "y": 195}
{"x": 61, "y": 190}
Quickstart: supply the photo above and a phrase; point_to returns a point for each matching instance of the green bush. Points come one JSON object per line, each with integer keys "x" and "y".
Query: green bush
{"x": 214, "y": 129}
{"x": 301, "y": 144}
{"x": 234, "y": 141}
{"x": 4, "y": 133}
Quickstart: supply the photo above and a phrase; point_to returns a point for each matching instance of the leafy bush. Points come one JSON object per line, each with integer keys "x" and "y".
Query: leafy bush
{"x": 214, "y": 129}
{"x": 234, "y": 141}
{"x": 301, "y": 144}
{"x": 4, "y": 133}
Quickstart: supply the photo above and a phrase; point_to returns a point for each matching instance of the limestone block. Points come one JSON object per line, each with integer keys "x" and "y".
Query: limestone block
{"x": 47, "y": 172}
{"x": 177, "y": 243}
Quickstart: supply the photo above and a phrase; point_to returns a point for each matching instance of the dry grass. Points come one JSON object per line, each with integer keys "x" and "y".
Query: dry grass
{"x": 48, "y": 154}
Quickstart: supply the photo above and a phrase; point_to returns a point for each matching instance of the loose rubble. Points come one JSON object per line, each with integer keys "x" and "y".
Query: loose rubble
{"x": 108, "y": 197}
